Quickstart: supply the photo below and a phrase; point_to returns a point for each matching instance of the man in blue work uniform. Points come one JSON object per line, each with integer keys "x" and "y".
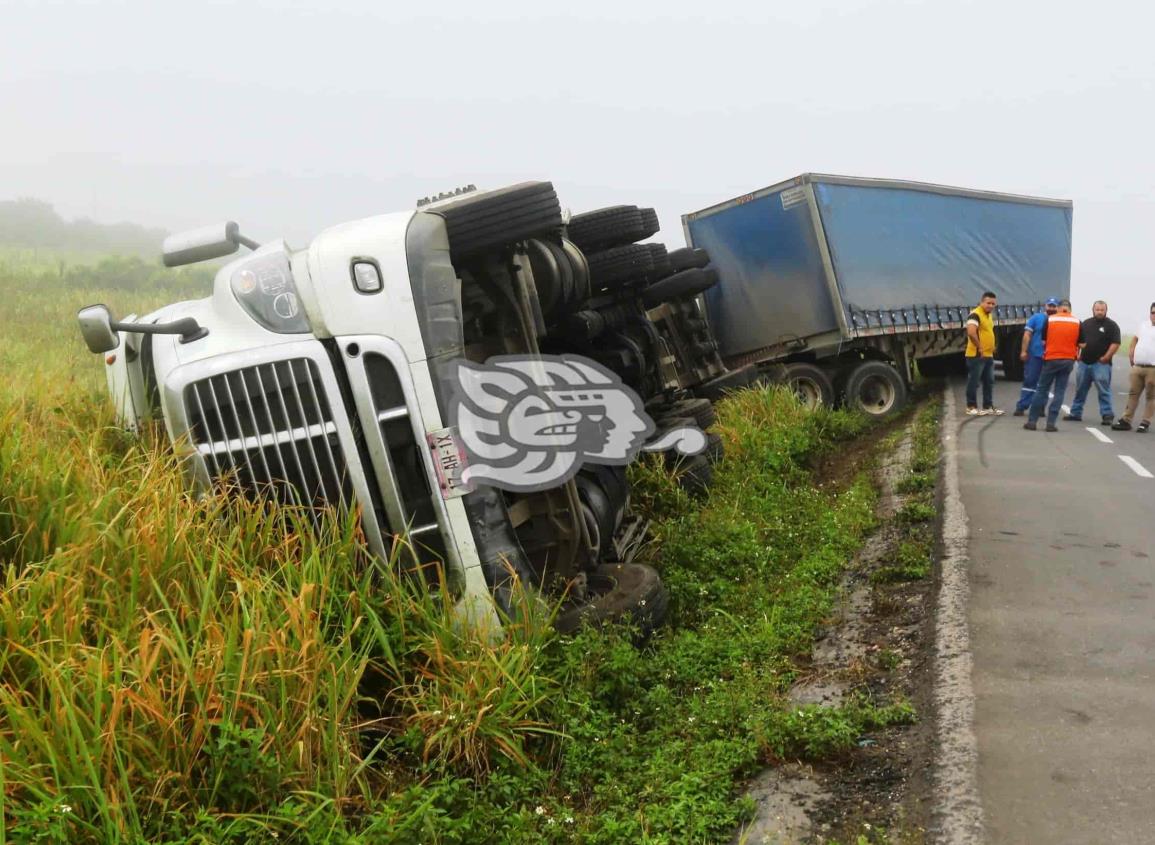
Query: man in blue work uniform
{"x": 1032, "y": 354}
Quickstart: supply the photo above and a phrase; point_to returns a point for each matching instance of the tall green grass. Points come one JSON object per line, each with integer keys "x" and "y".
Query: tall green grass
{"x": 176, "y": 669}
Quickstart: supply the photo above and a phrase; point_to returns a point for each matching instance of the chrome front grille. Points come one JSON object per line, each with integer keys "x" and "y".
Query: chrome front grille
{"x": 269, "y": 429}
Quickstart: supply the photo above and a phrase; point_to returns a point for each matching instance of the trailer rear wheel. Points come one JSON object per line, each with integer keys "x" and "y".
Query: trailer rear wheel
{"x": 811, "y": 384}
{"x": 876, "y": 389}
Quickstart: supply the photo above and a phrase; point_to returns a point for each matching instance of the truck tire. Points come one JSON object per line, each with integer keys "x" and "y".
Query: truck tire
{"x": 701, "y": 411}
{"x": 715, "y": 449}
{"x": 717, "y": 387}
{"x": 487, "y": 221}
{"x": 616, "y": 225}
{"x": 694, "y": 474}
{"x": 811, "y": 384}
{"x": 681, "y": 285}
{"x": 688, "y": 257}
{"x": 1011, "y": 344}
{"x": 875, "y": 388}
{"x": 546, "y": 276}
{"x": 619, "y": 592}
{"x": 620, "y": 264}
{"x": 581, "y": 270}
{"x": 941, "y": 366}
{"x": 650, "y": 221}
{"x": 662, "y": 266}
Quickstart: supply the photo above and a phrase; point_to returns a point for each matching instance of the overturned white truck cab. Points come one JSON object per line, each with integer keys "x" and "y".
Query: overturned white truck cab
{"x": 321, "y": 376}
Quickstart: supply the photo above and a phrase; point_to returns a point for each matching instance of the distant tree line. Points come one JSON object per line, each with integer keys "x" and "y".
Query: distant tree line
{"x": 34, "y": 224}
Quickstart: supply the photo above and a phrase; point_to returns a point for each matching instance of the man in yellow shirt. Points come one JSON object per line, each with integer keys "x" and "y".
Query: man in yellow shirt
{"x": 980, "y": 357}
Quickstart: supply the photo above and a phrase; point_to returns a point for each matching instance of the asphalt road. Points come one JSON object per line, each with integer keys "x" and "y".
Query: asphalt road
{"x": 1062, "y": 623}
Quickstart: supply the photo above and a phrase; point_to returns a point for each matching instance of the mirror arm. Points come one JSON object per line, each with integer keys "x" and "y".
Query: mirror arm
{"x": 188, "y": 328}
{"x": 243, "y": 241}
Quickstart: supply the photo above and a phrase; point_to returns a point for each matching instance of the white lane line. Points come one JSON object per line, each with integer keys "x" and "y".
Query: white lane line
{"x": 1136, "y": 467}
{"x": 959, "y": 812}
{"x": 1098, "y": 435}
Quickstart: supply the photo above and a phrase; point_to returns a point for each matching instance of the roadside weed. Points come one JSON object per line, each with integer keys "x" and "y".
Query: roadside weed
{"x": 175, "y": 669}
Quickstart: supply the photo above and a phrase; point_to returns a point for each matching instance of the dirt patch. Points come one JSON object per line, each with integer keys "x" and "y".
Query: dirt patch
{"x": 878, "y": 643}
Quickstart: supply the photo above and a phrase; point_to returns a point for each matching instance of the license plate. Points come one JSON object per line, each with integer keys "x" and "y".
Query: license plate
{"x": 449, "y": 460}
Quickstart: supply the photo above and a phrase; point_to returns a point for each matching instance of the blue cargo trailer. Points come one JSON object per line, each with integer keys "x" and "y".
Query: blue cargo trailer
{"x": 840, "y": 284}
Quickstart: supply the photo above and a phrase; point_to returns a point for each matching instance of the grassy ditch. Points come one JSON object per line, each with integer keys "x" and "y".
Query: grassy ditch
{"x": 175, "y": 670}
{"x": 913, "y": 555}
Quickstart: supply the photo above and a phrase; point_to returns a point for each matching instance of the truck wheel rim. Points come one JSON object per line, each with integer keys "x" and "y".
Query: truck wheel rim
{"x": 876, "y": 395}
{"x": 808, "y": 393}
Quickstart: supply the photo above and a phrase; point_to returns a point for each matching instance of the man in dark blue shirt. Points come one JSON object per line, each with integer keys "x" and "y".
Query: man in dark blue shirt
{"x": 1032, "y": 354}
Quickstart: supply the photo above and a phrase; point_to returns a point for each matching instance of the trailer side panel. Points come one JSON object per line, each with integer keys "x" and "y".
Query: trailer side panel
{"x": 896, "y": 247}
{"x": 774, "y": 287}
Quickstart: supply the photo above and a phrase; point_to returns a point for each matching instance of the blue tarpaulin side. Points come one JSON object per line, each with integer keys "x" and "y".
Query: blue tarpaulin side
{"x": 894, "y": 247}
{"x": 903, "y": 256}
{"x": 773, "y": 286}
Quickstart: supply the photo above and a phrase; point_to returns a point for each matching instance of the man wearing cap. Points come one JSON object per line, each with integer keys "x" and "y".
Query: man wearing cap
{"x": 1062, "y": 336}
{"x": 1100, "y": 343}
{"x": 1032, "y": 354}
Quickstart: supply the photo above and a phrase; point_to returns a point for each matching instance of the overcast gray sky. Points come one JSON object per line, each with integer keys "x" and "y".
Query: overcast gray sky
{"x": 293, "y": 116}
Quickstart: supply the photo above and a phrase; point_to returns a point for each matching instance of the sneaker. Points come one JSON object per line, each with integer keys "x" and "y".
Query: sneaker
{"x": 996, "y": 412}
{"x": 1143, "y": 426}
{"x": 1072, "y": 418}
{"x": 972, "y": 412}
{"x": 1052, "y": 427}
{"x": 1122, "y": 425}
{"x": 1030, "y": 426}
{"x": 1019, "y": 412}
{"x": 985, "y": 412}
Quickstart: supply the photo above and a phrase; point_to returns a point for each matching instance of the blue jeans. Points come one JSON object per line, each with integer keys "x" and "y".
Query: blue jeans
{"x": 1031, "y": 372}
{"x": 980, "y": 369}
{"x": 1055, "y": 376}
{"x": 1099, "y": 375}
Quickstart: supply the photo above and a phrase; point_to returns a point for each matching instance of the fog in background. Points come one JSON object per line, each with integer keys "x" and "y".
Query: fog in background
{"x": 293, "y": 116}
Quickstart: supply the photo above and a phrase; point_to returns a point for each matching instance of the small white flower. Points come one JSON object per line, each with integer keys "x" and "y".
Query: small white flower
{"x": 64, "y": 808}
{"x": 540, "y": 810}
{"x": 569, "y": 819}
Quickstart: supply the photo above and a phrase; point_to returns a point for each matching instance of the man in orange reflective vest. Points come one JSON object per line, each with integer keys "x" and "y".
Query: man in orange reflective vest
{"x": 1062, "y": 336}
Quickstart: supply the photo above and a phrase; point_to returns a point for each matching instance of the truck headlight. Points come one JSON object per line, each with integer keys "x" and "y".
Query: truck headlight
{"x": 265, "y": 288}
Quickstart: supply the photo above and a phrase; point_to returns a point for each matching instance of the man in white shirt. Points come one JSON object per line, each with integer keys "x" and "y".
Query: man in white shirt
{"x": 1142, "y": 355}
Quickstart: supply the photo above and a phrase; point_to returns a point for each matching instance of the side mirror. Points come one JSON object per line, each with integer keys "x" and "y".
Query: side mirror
{"x": 96, "y": 327}
{"x": 100, "y": 330}
{"x": 203, "y": 244}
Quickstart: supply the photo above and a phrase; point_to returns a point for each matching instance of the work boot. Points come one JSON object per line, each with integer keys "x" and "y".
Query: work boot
{"x": 1122, "y": 425}
{"x": 1072, "y": 418}
{"x": 1107, "y": 420}
{"x": 1051, "y": 427}
{"x": 1019, "y": 412}
{"x": 1030, "y": 426}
